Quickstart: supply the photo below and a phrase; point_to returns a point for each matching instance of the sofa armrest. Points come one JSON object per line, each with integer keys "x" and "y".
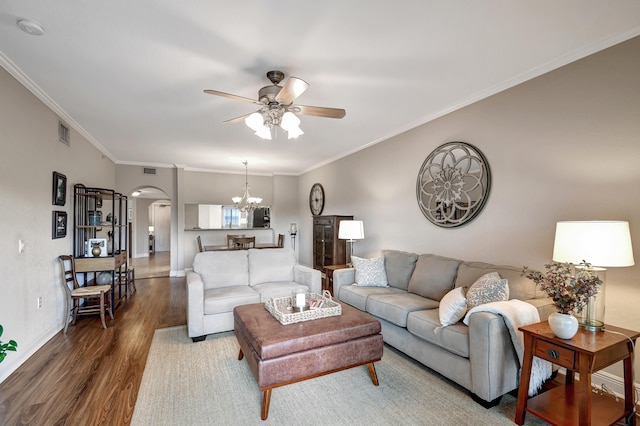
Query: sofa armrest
{"x": 310, "y": 277}
{"x": 494, "y": 362}
{"x": 195, "y": 304}
{"x": 342, "y": 277}
{"x": 544, "y": 306}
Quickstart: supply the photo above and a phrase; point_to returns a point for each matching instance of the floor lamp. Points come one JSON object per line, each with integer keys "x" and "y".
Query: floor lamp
{"x": 351, "y": 230}
{"x": 601, "y": 244}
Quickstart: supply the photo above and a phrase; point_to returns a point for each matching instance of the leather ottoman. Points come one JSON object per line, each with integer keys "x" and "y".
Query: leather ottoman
{"x": 282, "y": 354}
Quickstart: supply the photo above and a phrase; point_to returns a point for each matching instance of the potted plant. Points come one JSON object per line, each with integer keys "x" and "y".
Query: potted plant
{"x": 570, "y": 286}
{"x": 11, "y": 345}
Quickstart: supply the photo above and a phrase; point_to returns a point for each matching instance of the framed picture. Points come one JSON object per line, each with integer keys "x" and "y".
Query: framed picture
{"x": 59, "y": 226}
{"x": 59, "y": 193}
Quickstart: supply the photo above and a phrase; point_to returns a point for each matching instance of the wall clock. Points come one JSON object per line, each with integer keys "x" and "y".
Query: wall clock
{"x": 316, "y": 199}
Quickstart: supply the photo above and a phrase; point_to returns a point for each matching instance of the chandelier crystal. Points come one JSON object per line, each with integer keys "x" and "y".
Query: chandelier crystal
{"x": 246, "y": 203}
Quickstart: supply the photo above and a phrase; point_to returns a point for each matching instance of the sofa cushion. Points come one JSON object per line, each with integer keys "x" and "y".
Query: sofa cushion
{"x": 271, "y": 265}
{"x": 453, "y": 306}
{"x": 395, "y": 307}
{"x": 426, "y": 325}
{"x": 224, "y": 299}
{"x": 519, "y": 287}
{"x": 222, "y": 268}
{"x": 278, "y": 289}
{"x": 399, "y": 266}
{"x": 370, "y": 272}
{"x": 433, "y": 276}
{"x": 357, "y": 296}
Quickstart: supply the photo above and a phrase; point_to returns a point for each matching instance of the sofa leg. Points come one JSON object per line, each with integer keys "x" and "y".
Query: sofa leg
{"x": 199, "y": 338}
{"x": 486, "y": 404}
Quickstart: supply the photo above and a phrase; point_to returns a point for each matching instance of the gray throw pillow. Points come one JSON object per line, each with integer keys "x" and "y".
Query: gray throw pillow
{"x": 488, "y": 288}
{"x": 370, "y": 272}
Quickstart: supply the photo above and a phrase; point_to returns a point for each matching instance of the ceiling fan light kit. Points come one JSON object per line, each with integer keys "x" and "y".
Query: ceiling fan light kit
{"x": 277, "y": 108}
{"x": 264, "y": 123}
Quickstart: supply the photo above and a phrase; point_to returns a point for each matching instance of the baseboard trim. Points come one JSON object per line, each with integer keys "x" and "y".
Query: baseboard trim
{"x": 13, "y": 362}
{"x": 607, "y": 382}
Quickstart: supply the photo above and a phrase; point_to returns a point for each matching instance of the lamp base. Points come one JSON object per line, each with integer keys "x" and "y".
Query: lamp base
{"x": 592, "y": 325}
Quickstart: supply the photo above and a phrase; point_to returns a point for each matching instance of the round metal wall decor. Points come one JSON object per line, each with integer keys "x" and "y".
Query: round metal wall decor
{"x": 453, "y": 184}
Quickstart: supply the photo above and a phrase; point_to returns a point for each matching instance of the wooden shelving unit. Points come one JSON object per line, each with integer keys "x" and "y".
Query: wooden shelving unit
{"x": 112, "y": 207}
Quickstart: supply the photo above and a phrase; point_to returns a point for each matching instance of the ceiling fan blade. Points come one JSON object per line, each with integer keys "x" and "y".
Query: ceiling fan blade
{"x": 237, "y": 119}
{"x": 292, "y": 88}
{"x": 319, "y": 111}
{"x": 236, "y": 97}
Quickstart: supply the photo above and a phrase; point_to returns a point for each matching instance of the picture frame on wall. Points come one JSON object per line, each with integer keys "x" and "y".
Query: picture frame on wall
{"x": 59, "y": 192}
{"x": 59, "y": 225}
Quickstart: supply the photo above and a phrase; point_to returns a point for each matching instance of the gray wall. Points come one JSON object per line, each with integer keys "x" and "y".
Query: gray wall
{"x": 564, "y": 146}
{"x": 30, "y": 153}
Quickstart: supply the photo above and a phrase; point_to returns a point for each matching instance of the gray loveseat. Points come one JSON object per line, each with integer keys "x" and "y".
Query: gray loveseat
{"x": 480, "y": 356}
{"x": 222, "y": 280}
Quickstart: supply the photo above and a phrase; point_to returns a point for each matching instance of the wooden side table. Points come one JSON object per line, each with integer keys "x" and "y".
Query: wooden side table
{"x": 327, "y": 283}
{"x": 574, "y": 403}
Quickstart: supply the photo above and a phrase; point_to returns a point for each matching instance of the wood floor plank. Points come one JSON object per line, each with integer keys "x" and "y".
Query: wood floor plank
{"x": 91, "y": 376}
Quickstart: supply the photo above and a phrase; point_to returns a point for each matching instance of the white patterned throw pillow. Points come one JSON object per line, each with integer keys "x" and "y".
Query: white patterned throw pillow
{"x": 370, "y": 272}
{"x": 453, "y": 306}
{"x": 488, "y": 288}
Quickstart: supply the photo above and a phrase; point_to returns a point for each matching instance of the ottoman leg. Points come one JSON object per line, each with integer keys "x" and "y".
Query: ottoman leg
{"x": 372, "y": 372}
{"x": 240, "y": 355}
{"x": 266, "y": 400}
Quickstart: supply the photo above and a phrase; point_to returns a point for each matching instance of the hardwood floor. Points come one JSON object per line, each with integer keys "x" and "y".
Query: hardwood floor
{"x": 91, "y": 376}
{"x": 156, "y": 265}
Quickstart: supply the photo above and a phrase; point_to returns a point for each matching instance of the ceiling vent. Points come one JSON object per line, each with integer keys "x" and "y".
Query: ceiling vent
{"x": 148, "y": 171}
{"x": 64, "y": 135}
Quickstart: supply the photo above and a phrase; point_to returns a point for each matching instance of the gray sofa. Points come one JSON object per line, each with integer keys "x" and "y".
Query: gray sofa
{"x": 222, "y": 280}
{"x": 480, "y": 356}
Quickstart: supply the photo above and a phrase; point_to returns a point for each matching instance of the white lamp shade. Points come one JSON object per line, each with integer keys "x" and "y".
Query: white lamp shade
{"x": 255, "y": 121}
{"x": 264, "y": 132}
{"x": 289, "y": 121}
{"x": 351, "y": 230}
{"x": 294, "y": 132}
{"x": 600, "y": 243}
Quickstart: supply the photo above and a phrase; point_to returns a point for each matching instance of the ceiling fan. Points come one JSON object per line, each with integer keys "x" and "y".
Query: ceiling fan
{"x": 277, "y": 107}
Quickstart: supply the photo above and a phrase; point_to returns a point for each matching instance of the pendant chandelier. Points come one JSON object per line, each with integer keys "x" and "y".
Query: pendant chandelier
{"x": 246, "y": 203}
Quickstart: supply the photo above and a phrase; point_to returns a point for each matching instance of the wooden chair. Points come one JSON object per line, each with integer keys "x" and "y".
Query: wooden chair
{"x": 128, "y": 279}
{"x": 75, "y": 293}
{"x": 230, "y": 239}
{"x": 131, "y": 279}
{"x": 200, "y": 247}
{"x": 244, "y": 242}
{"x": 280, "y": 240}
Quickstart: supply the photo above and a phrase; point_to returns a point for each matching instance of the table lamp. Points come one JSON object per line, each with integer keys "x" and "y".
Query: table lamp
{"x": 351, "y": 230}
{"x": 599, "y": 243}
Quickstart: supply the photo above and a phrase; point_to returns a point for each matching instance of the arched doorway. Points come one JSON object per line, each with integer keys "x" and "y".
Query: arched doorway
{"x": 151, "y": 232}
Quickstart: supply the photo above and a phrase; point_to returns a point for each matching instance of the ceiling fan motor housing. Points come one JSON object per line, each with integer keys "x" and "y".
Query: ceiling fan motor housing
{"x": 268, "y": 94}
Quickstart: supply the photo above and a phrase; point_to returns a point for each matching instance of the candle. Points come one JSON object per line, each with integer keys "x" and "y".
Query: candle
{"x": 300, "y": 300}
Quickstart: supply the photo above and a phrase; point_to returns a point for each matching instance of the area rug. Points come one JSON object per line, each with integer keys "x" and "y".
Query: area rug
{"x": 203, "y": 383}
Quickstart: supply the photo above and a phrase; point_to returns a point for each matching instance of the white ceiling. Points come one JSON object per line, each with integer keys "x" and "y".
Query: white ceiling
{"x": 129, "y": 74}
